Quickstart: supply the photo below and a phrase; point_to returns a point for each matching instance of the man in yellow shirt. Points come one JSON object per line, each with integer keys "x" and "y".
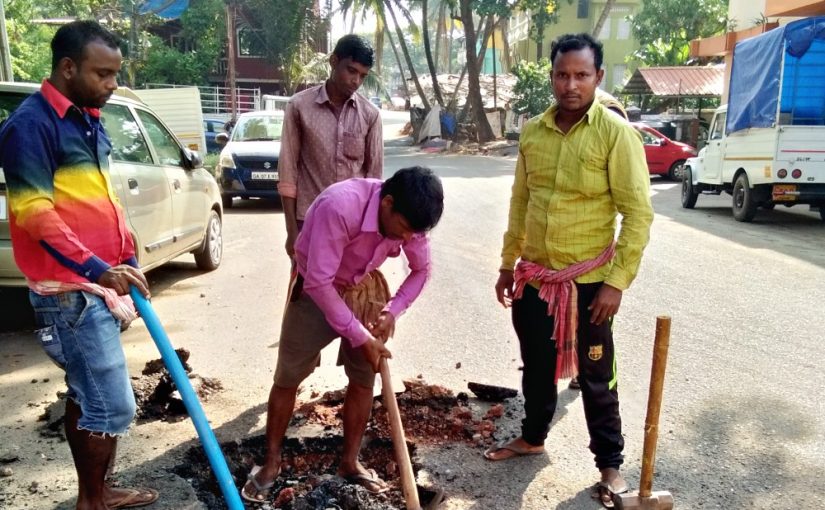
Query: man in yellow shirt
{"x": 579, "y": 167}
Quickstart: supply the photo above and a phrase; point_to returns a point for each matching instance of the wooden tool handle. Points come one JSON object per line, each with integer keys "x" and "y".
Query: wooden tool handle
{"x": 654, "y": 404}
{"x": 399, "y": 442}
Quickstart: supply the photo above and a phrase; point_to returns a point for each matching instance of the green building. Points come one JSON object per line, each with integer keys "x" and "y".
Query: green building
{"x": 581, "y": 16}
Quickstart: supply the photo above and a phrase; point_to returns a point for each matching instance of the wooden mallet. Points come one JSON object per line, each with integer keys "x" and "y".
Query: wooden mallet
{"x": 645, "y": 498}
{"x": 399, "y": 442}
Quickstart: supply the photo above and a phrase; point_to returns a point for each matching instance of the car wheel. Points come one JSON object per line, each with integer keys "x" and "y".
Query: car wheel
{"x": 209, "y": 256}
{"x": 675, "y": 171}
{"x": 689, "y": 193}
{"x": 744, "y": 206}
{"x": 227, "y": 201}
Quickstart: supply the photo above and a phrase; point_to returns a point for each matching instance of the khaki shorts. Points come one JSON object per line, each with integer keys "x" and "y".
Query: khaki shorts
{"x": 304, "y": 332}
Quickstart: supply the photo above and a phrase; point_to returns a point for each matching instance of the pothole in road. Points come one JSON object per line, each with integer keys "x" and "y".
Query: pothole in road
{"x": 430, "y": 414}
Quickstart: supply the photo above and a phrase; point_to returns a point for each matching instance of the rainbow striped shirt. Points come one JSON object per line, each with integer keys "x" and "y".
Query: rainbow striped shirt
{"x": 66, "y": 222}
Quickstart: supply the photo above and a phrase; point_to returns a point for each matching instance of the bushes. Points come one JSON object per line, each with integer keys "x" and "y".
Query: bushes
{"x": 532, "y": 93}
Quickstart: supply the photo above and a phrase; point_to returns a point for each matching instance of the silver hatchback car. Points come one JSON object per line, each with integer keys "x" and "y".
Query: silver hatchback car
{"x": 172, "y": 204}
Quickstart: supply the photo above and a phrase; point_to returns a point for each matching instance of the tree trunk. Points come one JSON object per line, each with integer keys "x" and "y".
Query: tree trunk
{"x": 406, "y": 52}
{"x": 425, "y": 33}
{"x": 379, "y": 45}
{"x": 481, "y": 54}
{"x": 439, "y": 38}
{"x": 483, "y": 129}
{"x": 603, "y": 17}
{"x": 450, "y": 46}
{"x": 397, "y": 58}
{"x": 505, "y": 40}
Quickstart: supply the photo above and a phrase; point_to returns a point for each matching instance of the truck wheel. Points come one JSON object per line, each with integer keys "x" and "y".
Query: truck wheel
{"x": 689, "y": 193}
{"x": 208, "y": 258}
{"x": 744, "y": 206}
{"x": 676, "y": 169}
{"x": 226, "y": 200}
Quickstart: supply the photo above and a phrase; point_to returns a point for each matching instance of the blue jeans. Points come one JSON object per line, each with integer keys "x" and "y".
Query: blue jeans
{"x": 79, "y": 333}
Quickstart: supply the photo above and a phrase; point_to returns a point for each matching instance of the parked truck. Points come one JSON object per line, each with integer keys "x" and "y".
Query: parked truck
{"x": 767, "y": 145}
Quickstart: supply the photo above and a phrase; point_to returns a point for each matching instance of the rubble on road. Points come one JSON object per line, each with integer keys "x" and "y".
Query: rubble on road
{"x": 431, "y": 414}
{"x": 157, "y": 396}
{"x": 504, "y": 84}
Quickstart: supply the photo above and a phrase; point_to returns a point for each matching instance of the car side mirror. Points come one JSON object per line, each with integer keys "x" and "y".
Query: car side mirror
{"x": 663, "y": 142}
{"x": 222, "y": 139}
{"x": 191, "y": 159}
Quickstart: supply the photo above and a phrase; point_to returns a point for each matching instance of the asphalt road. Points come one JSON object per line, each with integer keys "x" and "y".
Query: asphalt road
{"x": 742, "y": 419}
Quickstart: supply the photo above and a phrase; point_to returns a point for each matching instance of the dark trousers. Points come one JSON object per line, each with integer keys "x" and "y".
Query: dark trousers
{"x": 597, "y": 374}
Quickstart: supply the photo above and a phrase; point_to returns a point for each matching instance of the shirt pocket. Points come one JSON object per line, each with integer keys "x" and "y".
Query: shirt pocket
{"x": 592, "y": 175}
{"x": 354, "y": 146}
{"x": 50, "y": 341}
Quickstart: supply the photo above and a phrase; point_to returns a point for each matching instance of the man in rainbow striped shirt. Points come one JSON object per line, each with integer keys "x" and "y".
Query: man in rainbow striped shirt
{"x": 70, "y": 240}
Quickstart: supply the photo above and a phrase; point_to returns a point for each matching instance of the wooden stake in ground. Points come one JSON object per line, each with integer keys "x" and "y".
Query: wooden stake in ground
{"x": 645, "y": 498}
{"x": 399, "y": 442}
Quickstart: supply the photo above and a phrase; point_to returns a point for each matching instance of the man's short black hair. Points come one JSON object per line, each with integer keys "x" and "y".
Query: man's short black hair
{"x": 575, "y": 42}
{"x": 71, "y": 40}
{"x": 417, "y": 195}
{"x": 355, "y": 47}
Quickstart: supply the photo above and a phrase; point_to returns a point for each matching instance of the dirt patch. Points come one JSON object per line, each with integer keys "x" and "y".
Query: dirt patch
{"x": 155, "y": 393}
{"x": 431, "y": 415}
{"x": 157, "y": 396}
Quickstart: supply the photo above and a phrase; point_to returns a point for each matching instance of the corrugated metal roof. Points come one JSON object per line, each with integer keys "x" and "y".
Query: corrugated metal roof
{"x": 677, "y": 81}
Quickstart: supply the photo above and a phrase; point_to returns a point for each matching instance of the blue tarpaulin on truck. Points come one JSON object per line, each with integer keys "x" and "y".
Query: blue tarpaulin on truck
{"x": 758, "y": 88}
{"x": 167, "y": 9}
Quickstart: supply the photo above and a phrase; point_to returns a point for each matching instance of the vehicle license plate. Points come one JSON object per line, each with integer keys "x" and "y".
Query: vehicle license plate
{"x": 269, "y": 176}
{"x": 784, "y": 192}
{"x": 3, "y": 213}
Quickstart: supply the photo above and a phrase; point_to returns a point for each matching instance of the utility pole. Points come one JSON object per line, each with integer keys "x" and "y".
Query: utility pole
{"x": 230, "y": 61}
{"x": 6, "y": 73}
{"x": 133, "y": 42}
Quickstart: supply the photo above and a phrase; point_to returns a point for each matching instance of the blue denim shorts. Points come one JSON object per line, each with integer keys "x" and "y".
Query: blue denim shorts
{"x": 79, "y": 333}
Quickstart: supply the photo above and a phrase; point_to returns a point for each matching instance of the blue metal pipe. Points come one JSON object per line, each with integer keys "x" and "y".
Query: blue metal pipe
{"x": 190, "y": 400}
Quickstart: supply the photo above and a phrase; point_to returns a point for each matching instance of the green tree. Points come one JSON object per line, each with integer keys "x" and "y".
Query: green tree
{"x": 532, "y": 92}
{"x": 200, "y": 42}
{"x": 543, "y": 13}
{"x": 664, "y": 28}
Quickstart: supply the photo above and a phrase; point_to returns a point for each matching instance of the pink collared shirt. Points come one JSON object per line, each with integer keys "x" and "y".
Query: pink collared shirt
{"x": 341, "y": 243}
{"x": 319, "y": 148}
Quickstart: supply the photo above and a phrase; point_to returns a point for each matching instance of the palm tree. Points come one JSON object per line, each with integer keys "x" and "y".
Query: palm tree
{"x": 388, "y": 4}
{"x": 380, "y": 8}
{"x": 483, "y": 129}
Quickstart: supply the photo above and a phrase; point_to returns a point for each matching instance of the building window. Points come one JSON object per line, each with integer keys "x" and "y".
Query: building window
{"x": 250, "y": 42}
{"x": 618, "y": 74}
{"x": 604, "y": 35}
{"x": 583, "y": 11}
{"x": 623, "y": 29}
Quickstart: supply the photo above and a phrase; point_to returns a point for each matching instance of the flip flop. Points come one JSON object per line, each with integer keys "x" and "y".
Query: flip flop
{"x": 259, "y": 496}
{"x": 574, "y": 384}
{"x": 134, "y": 497}
{"x": 509, "y": 451}
{"x": 602, "y": 489}
{"x": 365, "y": 480}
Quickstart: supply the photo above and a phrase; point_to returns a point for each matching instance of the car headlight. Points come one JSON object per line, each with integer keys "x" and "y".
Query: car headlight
{"x": 226, "y": 160}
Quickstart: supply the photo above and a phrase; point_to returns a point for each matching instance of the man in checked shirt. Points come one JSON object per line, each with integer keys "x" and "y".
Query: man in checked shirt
{"x": 330, "y": 134}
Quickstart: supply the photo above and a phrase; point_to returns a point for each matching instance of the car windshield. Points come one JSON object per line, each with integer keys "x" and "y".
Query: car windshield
{"x": 258, "y": 129}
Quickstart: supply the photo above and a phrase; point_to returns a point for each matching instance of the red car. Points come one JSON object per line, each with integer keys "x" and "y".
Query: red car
{"x": 665, "y": 157}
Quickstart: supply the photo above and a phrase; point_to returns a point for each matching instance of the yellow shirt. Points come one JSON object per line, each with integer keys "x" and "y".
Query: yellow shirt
{"x": 568, "y": 191}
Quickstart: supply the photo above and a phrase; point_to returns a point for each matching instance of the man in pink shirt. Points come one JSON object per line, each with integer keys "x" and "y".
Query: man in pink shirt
{"x": 350, "y": 230}
{"x": 330, "y": 134}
